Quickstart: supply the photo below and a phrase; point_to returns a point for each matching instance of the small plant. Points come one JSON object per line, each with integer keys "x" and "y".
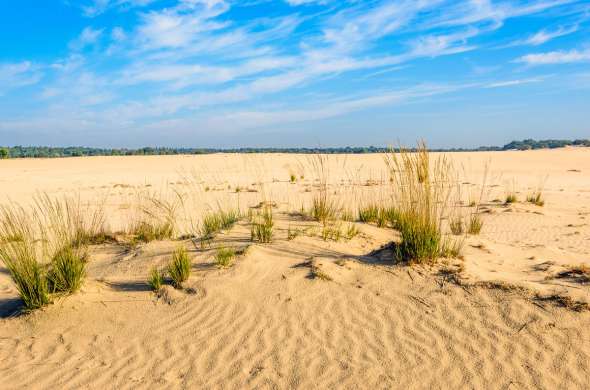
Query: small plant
{"x": 224, "y": 256}
{"x": 156, "y": 279}
{"x": 456, "y": 225}
{"x": 511, "y": 198}
{"x": 332, "y": 233}
{"x": 347, "y": 216}
{"x": 536, "y": 198}
{"x": 293, "y": 178}
{"x": 352, "y": 231}
{"x": 213, "y": 223}
{"x": 293, "y": 233}
{"x": 262, "y": 226}
{"x": 323, "y": 209}
{"x": 19, "y": 255}
{"x": 475, "y": 224}
{"x": 68, "y": 269}
{"x": 368, "y": 213}
{"x": 179, "y": 268}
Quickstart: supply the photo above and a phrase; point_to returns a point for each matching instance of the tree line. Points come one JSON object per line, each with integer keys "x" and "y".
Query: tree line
{"x": 76, "y": 151}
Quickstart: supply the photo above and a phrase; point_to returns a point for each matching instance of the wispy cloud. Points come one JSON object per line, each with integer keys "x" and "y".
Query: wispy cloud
{"x": 556, "y": 57}
{"x": 16, "y": 75}
{"x": 87, "y": 37}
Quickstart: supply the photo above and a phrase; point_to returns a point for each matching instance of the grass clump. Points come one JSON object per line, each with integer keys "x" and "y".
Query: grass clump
{"x": 156, "y": 219}
{"x": 19, "y": 254}
{"x": 351, "y": 231}
{"x": 217, "y": 221}
{"x": 368, "y": 214}
{"x": 156, "y": 279}
{"x": 456, "y": 225}
{"x": 179, "y": 268}
{"x": 224, "y": 257}
{"x": 511, "y": 198}
{"x": 68, "y": 269}
{"x": 262, "y": 226}
{"x": 421, "y": 194}
{"x": 475, "y": 224}
{"x": 536, "y": 198}
{"x": 332, "y": 233}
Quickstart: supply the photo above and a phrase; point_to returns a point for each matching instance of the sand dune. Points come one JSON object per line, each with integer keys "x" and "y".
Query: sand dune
{"x": 305, "y": 312}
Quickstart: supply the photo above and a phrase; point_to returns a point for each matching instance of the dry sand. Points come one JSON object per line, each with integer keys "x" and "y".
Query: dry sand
{"x": 267, "y": 322}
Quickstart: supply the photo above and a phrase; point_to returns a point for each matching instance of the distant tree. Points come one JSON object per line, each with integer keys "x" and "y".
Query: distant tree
{"x": 4, "y": 154}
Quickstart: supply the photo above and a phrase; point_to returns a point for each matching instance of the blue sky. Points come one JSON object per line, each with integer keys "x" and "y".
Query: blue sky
{"x": 226, "y": 73}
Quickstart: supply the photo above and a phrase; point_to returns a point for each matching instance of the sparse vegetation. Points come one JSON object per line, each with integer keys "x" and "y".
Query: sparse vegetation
{"x": 19, "y": 254}
{"x": 156, "y": 218}
{"x": 456, "y": 225}
{"x": 332, "y": 233}
{"x": 68, "y": 269}
{"x": 179, "y": 268}
{"x": 214, "y": 222}
{"x": 156, "y": 279}
{"x": 511, "y": 198}
{"x": 224, "y": 256}
{"x": 351, "y": 231}
{"x": 421, "y": 194}
{"x": 536, "y": 198}
{"x": 368, "y": 213}
{"x": 262, "y": 226}
{"x": 475, "y": 224}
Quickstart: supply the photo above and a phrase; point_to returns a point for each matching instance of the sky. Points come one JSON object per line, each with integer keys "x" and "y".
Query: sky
{"x": 292, "y": 73}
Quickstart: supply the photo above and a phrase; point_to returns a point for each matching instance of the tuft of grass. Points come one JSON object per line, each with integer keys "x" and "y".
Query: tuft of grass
{"x": 217, "y": 221}
{"x": 332, "y": 233}
{"x": 536, "y": 198}
{"x": 67, "y": 271}
{"x": 262, "y": 226}
{"x": 475, "y": 224}
{"x": 179, "y": 268}
{"x": 19, "y": 254}
{"x": 369, "y": 213}
{"x": 224, "y": 256}
{"x": 456, "y": 225}
{"x": 293, "y": 233}
{"x": 351, "y": 231}
{"x": 347, "y": 216}
{"x": 421, "y": 194}
{"x": 511, "y": 198}
{"x": 156, "y": 218}
{"x": 156, "y": 279}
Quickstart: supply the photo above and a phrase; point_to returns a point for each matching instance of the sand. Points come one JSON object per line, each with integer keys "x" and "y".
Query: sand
{"x": 309, "y": 313}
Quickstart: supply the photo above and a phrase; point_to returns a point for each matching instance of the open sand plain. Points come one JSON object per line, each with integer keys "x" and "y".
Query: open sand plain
{"x": 500, "y": 317}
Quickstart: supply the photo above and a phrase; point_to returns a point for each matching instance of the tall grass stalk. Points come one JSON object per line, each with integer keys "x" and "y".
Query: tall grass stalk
{"x": 421, "y": 194}
{"x": 20, "y": 254}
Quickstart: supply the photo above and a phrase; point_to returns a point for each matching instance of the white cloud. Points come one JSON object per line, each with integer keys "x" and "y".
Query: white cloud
{"x": 555, "y": 57}
{"x": 16, "y": 75}
{"x": 513, "y": 83}
{"x": 87, "y": 37}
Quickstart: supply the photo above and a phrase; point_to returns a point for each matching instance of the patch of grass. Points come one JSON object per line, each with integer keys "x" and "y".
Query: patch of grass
{"x": 369, "y": 213}
{"x": 421, "y": 194}
{"x": 262, "y": 226}
{"x": 67, "y": 271}
{"x": 347, "y": 216}
{"x": 179, "y": 268}
{"x": 475, "y": 224}
{"x": 156, "y": 279}
{"x": 224, "y": 257}
{"x": 19, "y": 255}
{"x": 217, "y": 221}
{"x": 511, "y": 198}
{"x": 332, "y": 233}
{"x": 536, "y": 198}
{"x": 351, "y": 231}
{"x": 156, "y": 217}
{"x": 456, "y": 225}
{"x": 293, "y": 233}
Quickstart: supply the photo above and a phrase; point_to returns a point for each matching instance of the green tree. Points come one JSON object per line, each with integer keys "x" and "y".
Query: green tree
{"x": 4, "y": 153}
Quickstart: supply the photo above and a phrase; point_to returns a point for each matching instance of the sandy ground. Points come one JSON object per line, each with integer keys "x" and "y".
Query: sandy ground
{"x": 269, "y": 321}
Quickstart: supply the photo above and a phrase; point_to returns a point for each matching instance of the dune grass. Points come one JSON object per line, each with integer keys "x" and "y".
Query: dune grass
{"x": 156, "y": 279}
{"x": 224, "y": 257}
{"x": 67, "y": 270}
{"x": 475, "y": 224}
{"x": 217, "y": 221}
{"x": 536, "y": 198}
{"x": 421, "y": 195}
{"x": 20, "y": 254}
{"x": 262, "y": 226}
{"x": 179, "y": 268}
{"x": 155, "y": 218}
